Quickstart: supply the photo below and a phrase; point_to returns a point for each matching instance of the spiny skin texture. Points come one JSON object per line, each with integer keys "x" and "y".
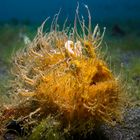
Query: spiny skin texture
{"x": 64, "y": 74}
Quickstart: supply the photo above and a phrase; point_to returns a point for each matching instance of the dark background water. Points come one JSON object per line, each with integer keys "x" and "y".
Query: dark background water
{"x": 38, "y": 10}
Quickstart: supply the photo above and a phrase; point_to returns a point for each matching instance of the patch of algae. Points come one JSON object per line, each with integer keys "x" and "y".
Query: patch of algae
{"x": 47, "y": 129}
{"x": 61, "y": 73}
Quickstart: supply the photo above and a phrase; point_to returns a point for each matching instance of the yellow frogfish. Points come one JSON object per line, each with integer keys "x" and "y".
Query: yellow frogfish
{"x": 63, "y": 71}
